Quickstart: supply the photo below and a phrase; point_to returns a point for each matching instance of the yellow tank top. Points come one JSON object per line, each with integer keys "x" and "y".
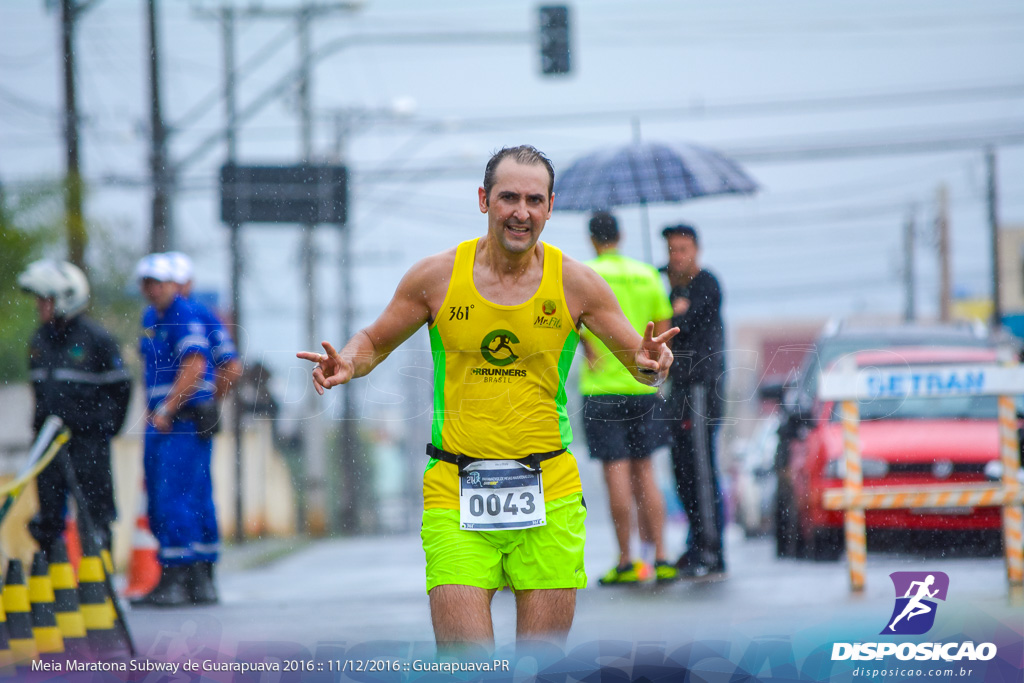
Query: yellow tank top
{"x": 499, "y": 379}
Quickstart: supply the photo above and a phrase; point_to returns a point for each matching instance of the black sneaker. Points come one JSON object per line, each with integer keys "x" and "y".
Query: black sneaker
{"x": 700, "y": 570}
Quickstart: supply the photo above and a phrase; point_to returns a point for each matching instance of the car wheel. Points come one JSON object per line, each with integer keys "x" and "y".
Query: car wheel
{"x": 826, "y": 544}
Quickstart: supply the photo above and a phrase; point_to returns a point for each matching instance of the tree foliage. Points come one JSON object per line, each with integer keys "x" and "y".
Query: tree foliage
{"x": 28, "y": 225}
{"x": 32, "y": 227}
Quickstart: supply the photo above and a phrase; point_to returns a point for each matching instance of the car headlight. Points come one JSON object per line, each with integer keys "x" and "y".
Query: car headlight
{"x": 871, "y": 468}
{"x": 994, "y": 471}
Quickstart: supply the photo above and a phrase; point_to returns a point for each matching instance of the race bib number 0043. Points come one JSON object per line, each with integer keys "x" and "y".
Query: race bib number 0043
{"x": 500, "y": 494}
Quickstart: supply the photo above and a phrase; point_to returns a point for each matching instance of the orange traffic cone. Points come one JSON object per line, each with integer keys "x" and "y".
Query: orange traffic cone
{"x": 143, "y": 567}
{"x": 72, "y": 541}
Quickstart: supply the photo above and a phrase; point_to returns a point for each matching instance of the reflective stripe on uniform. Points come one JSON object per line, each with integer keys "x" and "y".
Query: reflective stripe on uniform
{"x": 205, "y": 386}
{"x": 223, "y": 352}
{"x": 106, "y": 377}
{"x": 192, "y": 340}
{"x": 159, "y": 390}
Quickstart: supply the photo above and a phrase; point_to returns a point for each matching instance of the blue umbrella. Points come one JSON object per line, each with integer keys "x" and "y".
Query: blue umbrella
{"x": 646, "y": 173}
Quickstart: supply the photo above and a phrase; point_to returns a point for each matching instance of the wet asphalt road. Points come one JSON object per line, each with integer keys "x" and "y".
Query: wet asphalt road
{"x": 366, "y": 589}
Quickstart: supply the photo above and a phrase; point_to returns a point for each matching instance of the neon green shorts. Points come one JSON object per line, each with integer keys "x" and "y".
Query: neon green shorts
{"x": 549, "y": 556}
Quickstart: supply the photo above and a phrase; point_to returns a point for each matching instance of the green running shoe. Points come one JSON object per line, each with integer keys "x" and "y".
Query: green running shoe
{"x": 665, "y": 572}
{"x": 637, "y": 572}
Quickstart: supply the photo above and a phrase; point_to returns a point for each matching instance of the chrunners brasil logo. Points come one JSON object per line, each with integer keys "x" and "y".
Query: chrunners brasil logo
{"x": 500, "y": 354}
{"x": 916, "y": 592}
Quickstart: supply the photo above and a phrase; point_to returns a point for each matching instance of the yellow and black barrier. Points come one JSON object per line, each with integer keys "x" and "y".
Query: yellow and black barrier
{"x": 106, "y": 628}
{"x": 19, "y": 615}
{"x": 95, "y": 606}
{"x": 80, "y": 620}
{"x": 49, "y": 641}
{"x": 51, "y": 439}
{"x": 7, "y": 668}
{"x": 65, "y": 600}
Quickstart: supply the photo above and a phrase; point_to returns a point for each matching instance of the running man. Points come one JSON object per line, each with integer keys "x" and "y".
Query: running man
{"x": 915, "y": 606}
{"x": 502, "y": 416}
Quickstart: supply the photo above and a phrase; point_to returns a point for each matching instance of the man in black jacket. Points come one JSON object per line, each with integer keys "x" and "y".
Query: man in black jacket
{"x": 695, "y": 400}
{"x": 77, "y": 374}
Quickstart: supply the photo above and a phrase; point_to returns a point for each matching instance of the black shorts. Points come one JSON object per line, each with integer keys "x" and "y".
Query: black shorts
{"x": 620, "y": 427}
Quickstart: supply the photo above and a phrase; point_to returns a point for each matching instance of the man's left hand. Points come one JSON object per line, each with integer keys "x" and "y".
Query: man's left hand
{"x": 654, "y": 356}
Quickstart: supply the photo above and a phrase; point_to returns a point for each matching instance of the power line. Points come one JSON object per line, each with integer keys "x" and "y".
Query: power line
{"x": 213, "y": 98}
{"x": 1005, "y": 133}
{"x": 889, "y": 98}
{"x": 29, "y": 106}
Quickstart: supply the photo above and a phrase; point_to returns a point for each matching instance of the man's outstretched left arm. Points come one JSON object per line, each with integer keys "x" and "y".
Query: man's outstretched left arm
{"x": 647, "y": 357}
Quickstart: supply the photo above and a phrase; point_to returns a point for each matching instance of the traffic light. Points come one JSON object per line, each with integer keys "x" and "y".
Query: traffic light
{"x": 554, "y": 39}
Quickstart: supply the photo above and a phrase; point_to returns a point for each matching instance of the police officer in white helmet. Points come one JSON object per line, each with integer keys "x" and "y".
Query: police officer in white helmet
{"x": 77, "y": 374}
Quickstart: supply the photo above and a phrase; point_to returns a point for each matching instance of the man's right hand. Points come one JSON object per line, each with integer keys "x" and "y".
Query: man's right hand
{"x": 161, "y": 421}
{"x": 331, "y": 369}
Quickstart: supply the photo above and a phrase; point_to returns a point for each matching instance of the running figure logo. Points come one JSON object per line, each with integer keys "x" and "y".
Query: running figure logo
{"x": 496, "y": 348}
{"x": 916, "y": 592}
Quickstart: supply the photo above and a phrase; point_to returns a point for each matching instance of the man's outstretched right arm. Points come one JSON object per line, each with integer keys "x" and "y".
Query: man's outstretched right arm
{"x": 409, "y": 308}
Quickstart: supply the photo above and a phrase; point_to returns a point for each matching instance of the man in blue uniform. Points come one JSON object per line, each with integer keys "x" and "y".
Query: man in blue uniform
{"x": 181, "y": 415}
{"x": 227, "y": 367}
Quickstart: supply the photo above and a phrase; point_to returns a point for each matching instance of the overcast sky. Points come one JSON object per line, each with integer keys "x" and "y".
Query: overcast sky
{"x": 822, "y": 238}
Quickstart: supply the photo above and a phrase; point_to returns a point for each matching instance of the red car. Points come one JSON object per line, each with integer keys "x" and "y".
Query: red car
{"x": 904, "y": 442}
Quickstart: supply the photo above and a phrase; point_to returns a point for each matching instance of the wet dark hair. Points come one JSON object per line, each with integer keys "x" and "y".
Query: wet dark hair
{"x": 524, "y": 154}
{"x": 681, "y": 229}
{"x": 604, "y": 229}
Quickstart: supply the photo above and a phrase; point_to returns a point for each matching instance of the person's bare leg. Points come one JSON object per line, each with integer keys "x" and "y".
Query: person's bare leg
{"x": 461, "y": 614}
{"x": 620, "y": 501}
{"x": 650, "y": 505}
{"x": 545, "y": 614}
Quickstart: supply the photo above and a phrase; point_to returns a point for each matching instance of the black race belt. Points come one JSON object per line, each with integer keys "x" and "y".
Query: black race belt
{"x": 533, "y": 460}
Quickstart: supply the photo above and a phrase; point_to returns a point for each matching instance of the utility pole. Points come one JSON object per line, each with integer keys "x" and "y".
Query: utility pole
{"x": 355, "y": 505}
{"x": 909, "y": 313}
{"x": 992, "y": 197}
{"x": 942, "y": 231}
{"x": 70, "y": 11}
{"x": 349, "y": 517}
{"x": 316, "y": 449}
{"x": 160, "y": 238}
{"x": 313, "y": 513}
{"x": 227, "y": 25}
